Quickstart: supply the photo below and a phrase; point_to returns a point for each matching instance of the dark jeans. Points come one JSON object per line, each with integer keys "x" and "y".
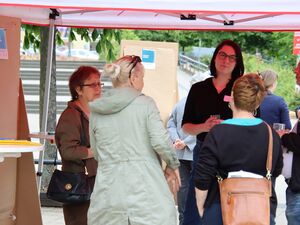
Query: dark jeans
{"x": 191, "y": 215}
{"x": 213, "y": 214}
{"x": 292, "y": 207}
{"x": 185, "y": 169}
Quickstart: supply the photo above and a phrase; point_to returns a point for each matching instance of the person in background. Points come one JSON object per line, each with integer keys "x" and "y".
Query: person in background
{"x": 291, "y": 141}
{"x": 184, "y": 145}
{"x": 72, "y": 135}
{"x": 127, "y": 138}
{"x": 273, "y": 109}
{"x": 297, "y": 72}
{"x": 233, "y": 146}
{"x": 207, "y": 105}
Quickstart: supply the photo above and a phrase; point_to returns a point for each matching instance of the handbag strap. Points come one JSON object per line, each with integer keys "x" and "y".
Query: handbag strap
{"x": 270, "y": 153}
{"x": 55, "y": 157}
{"x": 83, "y": 139}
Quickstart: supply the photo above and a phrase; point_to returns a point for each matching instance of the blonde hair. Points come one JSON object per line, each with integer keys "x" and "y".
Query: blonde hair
{"x": 120, "y": 70}
{"x": 248, "y": 92}
{"x": 269, "y": 77}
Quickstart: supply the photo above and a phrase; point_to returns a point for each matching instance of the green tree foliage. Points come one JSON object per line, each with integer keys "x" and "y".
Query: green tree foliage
{"x": 184, "y": 38}
{"x": 286, "y": 77}
{"x": 32, "y": 36}
{"x": 283, "y": 48}
{"x": 129, "y": 35}
{"x": 103, "y": 37}
{"x": 125, "y": 35}
{"x": 295, "y": 101}
{"x": 272, "y": 46}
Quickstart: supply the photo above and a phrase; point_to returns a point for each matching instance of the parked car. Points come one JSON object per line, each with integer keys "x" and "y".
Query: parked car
{"x": 78, "y": 53}
{"x": 30, "y": 51}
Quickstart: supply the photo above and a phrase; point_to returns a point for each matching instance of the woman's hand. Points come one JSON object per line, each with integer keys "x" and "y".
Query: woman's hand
{"x": 210, "y": 123}
{"x": 201, "y": 211}
{"x": 179, "y": 144}
{"x": 282, "y": 132}
{"x": 195, "y": 129}
{"x": 200, "y": 199}
{"x": 173, "y": 179}
{"x": 90, "y": 154}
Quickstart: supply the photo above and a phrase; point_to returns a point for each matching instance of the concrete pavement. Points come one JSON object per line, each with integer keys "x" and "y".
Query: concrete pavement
{"x": 54, "y": 216}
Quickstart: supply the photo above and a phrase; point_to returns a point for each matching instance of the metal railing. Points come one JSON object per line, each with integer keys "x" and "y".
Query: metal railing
{"x": 190, "y": 65}
{"x": 30, "y": 74}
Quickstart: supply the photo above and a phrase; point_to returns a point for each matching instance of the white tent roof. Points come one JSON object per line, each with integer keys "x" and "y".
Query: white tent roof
{"x": 260, "y": 15}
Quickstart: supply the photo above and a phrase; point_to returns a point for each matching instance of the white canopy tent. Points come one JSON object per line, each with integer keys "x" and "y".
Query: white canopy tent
{"x": 255, "y": 15}
{"x": 226, "y": 15}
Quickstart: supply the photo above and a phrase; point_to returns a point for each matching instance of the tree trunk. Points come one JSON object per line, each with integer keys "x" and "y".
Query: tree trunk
{"x": 50, "y": 150}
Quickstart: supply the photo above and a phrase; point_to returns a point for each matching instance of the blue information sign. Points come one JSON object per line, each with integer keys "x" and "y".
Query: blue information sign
{"x": 148, "y": 58}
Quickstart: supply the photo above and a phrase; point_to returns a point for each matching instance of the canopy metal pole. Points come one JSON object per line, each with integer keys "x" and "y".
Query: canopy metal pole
{"x": 46, "y": 95}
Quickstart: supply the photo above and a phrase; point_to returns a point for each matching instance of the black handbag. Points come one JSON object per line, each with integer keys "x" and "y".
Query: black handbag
{"x": 68, "y": 187}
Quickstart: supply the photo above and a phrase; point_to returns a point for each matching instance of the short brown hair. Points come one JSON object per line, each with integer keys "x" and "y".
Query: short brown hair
{"x": 78, "y": 77}
{"x": 248, "y": 92}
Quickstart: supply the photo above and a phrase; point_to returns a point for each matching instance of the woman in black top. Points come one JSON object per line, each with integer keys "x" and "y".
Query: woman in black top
{"x": 236, "y": 144}
{"x": 291, "y": 140}
{"x": 207, "y": 98}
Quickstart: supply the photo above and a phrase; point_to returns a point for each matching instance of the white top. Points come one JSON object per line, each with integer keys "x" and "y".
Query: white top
{"x": 16, "y": 150}
{"x": 20, "y": 148}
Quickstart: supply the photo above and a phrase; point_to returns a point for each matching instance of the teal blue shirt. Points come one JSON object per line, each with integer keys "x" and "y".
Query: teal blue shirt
{"x": 243, "y": 121}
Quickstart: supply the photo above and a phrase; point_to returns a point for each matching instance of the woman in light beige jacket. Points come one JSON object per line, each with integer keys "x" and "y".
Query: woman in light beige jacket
{"x": 128, "y": 137}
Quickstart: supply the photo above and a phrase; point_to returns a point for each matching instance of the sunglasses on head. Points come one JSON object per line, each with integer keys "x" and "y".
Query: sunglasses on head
{"x": 134, "y": 60}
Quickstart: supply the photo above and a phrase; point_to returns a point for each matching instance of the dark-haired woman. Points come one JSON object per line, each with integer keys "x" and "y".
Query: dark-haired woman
{"x": 291, "y": 141}
{"x": 205, "y": 100}
{"x": 72, "y": 135}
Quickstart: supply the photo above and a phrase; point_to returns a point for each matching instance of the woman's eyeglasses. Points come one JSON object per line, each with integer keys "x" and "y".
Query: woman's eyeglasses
{"x": 135, "y": 59}
{"x": 93, "y": 85}
{"x": 223, "y": 56}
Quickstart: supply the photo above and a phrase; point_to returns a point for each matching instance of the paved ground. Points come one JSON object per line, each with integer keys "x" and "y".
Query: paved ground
{"x": 54, "y": 216}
